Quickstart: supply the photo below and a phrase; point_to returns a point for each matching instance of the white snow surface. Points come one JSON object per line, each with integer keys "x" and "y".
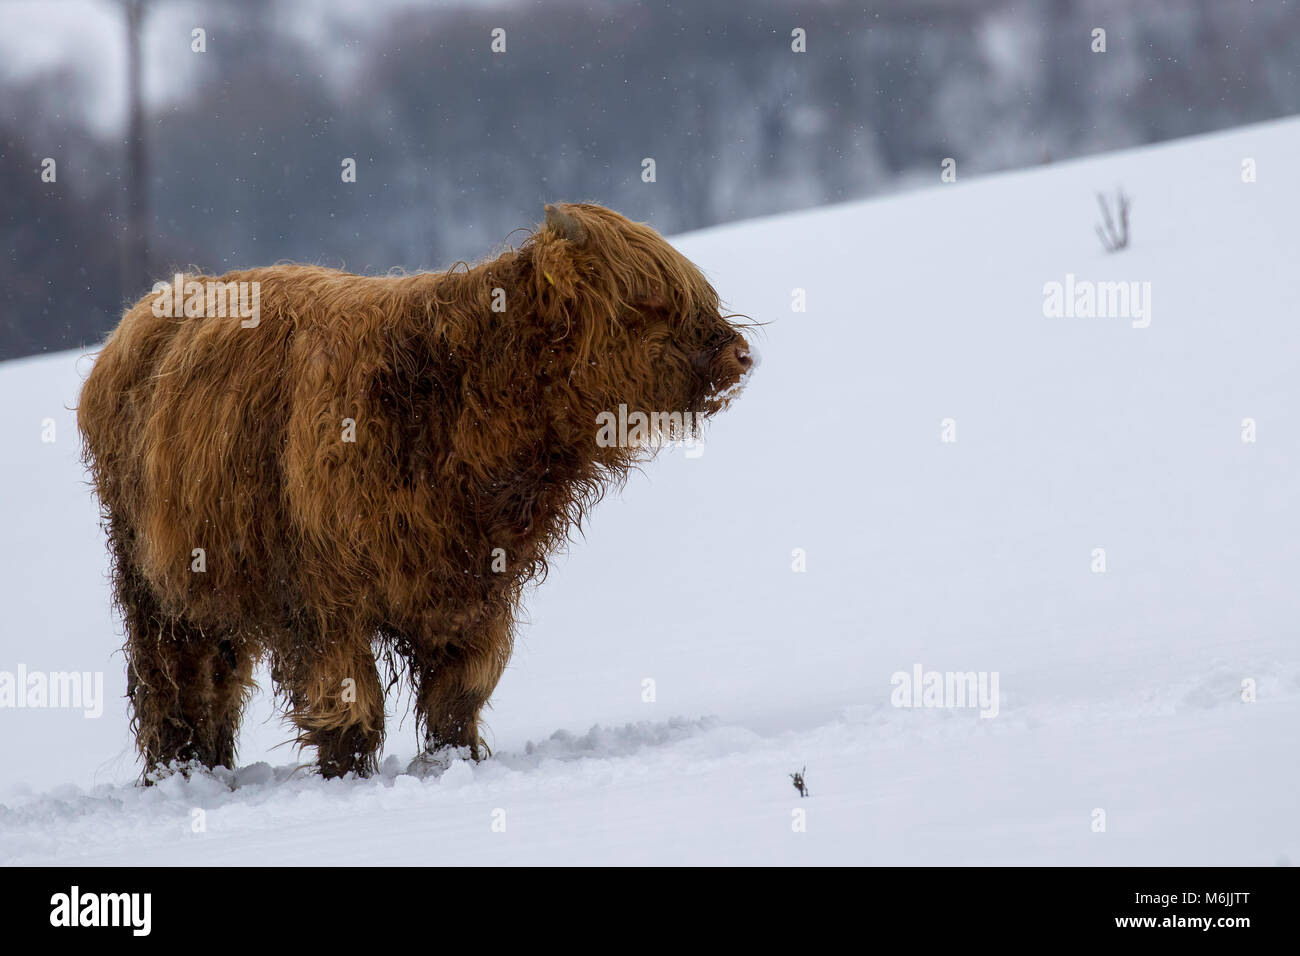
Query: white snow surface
{"x": 1119, "y": 691}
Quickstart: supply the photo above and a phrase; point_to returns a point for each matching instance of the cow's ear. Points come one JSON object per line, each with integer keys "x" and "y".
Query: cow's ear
{"x": 556, "y": 279}
{"x": 566, "y": 278}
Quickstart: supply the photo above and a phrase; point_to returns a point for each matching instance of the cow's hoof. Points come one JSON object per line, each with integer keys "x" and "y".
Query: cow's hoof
{"x": 432, "y": 763}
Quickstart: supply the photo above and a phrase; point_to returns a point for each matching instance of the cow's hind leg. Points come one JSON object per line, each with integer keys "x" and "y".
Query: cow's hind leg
{"x": 337, "y": 704}
{"x": 187, "y": 687}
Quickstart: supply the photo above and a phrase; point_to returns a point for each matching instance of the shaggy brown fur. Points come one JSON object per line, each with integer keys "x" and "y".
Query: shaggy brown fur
{"x": 475, "y": 430}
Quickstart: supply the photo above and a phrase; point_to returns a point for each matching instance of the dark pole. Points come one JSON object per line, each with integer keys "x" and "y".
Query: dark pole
{"x": 135, "y": 247}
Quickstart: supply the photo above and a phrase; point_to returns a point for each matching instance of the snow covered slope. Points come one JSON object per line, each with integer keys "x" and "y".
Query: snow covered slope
{"x": 1118, "y": 691}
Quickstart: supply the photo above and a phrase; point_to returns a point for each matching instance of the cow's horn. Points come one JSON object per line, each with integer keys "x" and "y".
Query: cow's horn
{"x": 565, "y": 224}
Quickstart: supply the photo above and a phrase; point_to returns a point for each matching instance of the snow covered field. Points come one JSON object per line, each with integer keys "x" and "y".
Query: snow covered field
{"x": 1118, "y": 691}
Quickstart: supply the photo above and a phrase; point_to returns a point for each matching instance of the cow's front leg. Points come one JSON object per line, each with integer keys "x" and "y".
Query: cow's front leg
{"x": 453, "y": 681}
{"x": 337, "y": 703}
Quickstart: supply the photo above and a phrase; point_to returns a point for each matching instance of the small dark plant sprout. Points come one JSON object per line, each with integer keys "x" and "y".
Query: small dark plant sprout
{"x": 1113, "y": 230}
{"x": 798, "y": 782}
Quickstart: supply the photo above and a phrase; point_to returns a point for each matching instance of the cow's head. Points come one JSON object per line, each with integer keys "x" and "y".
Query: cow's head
{"x": 644, "y": 325}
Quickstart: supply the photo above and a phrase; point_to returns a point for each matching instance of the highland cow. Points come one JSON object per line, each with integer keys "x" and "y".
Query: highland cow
{"x": 376, "y": 466}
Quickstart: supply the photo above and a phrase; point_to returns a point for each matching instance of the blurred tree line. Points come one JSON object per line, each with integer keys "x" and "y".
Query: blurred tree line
{"x": 456, "y": 146}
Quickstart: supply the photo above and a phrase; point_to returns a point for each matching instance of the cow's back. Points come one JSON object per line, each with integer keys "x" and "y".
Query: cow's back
{"x": 301, "y": 462}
